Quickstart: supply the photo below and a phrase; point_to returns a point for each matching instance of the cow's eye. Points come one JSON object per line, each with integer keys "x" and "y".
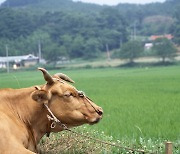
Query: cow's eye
{"x": 68, "y": 94}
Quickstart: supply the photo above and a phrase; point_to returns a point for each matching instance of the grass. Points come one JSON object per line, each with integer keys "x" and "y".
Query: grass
{"x": 136, "y": 102}
{"x": 141, "y": 105}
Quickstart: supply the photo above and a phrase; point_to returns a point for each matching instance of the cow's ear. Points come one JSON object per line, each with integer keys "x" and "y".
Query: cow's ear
{"x": 41, "y": 96}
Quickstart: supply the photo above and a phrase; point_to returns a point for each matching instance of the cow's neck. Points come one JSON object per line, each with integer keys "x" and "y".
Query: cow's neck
{"x": 32, "y": 114}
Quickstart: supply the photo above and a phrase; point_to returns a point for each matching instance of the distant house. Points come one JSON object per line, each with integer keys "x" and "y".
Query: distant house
{"x": 17, "y": 61}
{"x": 154, "y": 37}
{"x": 148, "y": 46}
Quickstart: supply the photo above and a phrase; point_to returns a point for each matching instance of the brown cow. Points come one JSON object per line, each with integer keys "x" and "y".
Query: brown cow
{"x": 27, "y": 114}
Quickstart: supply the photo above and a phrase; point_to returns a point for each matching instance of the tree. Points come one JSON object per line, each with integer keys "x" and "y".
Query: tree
{"x": 111, "y": 37}
{"x": 14, "y": 24}
{"x": 131, "y": 50}
{"x": 91, "y": 48}
{"x": 53, "y": 52}
{"x": 77, "y": 45}
{"x": 164, "y": 48}
{"x": 112, "y": 28}
{"x": 176, "y": 33}
{"x": 176, "y": 28}
{"x": 157, "y": 24}
{"x": 18, "y": 2}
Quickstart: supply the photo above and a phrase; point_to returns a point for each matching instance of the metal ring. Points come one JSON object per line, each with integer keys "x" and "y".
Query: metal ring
{"x": 53, "y": 125}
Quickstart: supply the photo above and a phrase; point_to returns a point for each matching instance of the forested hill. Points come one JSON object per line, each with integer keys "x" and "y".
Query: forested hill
{"x": 152, "y": 18}
{"x": 166, "y": 8}
{"x": 81, "y": 30}
{"x": 52, "y": 5}
{"x": 132, "y": 10}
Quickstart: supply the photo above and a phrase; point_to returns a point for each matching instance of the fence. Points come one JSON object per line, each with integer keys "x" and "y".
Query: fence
{"x": 168, "y": 145}
{"x": 168, "y": 148}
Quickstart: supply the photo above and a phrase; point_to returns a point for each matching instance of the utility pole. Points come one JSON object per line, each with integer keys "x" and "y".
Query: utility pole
{"x": 134, "y": 27}
{"x": 132, "y": 35}
{"x": 7, "y": 62}
{"x": 108, "y": 53}
{"x": 120, "y": 42}
{"x": 39, "y": 50}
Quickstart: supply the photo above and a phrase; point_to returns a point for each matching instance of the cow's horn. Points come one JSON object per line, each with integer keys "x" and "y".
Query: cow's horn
{"x": 64, "y": 77}
{"x": 47, "y": 76}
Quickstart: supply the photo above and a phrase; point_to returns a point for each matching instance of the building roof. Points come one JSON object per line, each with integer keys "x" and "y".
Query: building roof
{"x": 154, "y": 37}
{"x": 18, "y": 58}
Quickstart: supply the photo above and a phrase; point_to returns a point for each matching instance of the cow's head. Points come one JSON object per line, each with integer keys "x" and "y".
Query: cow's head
{"x": 68, "y": 104}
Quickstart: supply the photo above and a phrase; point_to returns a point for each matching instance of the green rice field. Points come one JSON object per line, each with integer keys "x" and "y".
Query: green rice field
{"x": 137, "y": 102}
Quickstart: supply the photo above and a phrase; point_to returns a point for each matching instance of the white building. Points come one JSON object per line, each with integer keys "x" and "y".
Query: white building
{"x": 17, "y": 61}
{"x": 148, "y": 46}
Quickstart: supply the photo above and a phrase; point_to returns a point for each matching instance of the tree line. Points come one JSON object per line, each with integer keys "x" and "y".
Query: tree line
{"x": 76, "y": 34}
{"x": 61, "y": 33}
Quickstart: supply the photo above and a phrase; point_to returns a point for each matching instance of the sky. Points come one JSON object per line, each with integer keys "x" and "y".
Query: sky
{"x": 114, "y": 2}
{"x": 1, "y": 1}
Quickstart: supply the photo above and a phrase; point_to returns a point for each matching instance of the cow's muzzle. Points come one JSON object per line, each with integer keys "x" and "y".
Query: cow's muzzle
{"x": 99, "y": 111}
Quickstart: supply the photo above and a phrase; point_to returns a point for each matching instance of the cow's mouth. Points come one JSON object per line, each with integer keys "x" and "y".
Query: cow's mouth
{"x": 92, "y": 121}
{"x": 95, "y": 121}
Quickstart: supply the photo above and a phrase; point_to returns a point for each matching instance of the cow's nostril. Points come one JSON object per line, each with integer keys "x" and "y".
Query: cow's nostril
{"x": 100, "y": 112}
